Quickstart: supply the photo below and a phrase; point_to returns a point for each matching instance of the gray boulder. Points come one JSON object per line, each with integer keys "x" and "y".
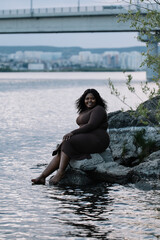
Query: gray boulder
{"x": 101, "y": 167}
{"x": 151, "y": 104}
{"x": 122, "y": 144}
{"x": 148, "y": 172}
{"x": 75, "y": 177}
{"x": 120, "y": 119}
{"x": 125, "y": 147}
{"x": 150, "y": 168}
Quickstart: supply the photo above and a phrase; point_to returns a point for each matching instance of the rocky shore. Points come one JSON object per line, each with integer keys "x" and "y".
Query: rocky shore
{"x": 132, "y": 157}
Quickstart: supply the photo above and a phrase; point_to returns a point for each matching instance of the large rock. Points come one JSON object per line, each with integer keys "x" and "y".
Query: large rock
{"x": 121, "y": 119}
{"x": 150, "y": 168}
{"x": 122, "y": 144}
{"x": 148, "y": 172}
{"x": 125, "y": 148}
{"x": 101, "y": 167}
{"x": 78, "y": 171}
{"x": 145, "y": 184}
{"x": 76, "y": 177}
{"x": 151, "y": 104}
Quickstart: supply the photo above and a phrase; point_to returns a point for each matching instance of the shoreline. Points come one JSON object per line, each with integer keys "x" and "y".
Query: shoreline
{"x": 137, "y": 76}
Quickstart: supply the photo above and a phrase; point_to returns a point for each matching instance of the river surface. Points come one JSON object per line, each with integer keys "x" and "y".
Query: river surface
{"x": 37, "y": 109}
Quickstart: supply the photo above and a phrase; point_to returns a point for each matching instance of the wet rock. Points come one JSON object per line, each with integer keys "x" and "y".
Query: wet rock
{"x": 150, "y": 168}
{"x": 101, "y": 167}
{"x": 121, "y": 119}
{"x": 87, "y": 165}
{"x": 122, "y": 144}
{"x": 75, "y": 177}
{"x": 125, "y": 149}
{"x": 151, "y": 104}
{"x": 129, "y": 119}
{"x": 78, "y": 171}
{"x": 148, "y": 185}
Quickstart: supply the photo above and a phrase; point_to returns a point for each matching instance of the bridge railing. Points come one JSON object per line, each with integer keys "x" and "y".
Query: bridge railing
{"x": 61, "y": 11}
{"x": 50, "y": 11}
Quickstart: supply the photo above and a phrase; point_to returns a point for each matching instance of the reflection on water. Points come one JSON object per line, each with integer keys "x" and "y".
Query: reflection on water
{"x": 108, "y": 212}
{"x": 84, "y": 210}
{"x": 34, "y": 115}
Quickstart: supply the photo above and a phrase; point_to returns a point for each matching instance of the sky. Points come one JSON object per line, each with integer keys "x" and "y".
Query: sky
{"x": 84, "y": 40}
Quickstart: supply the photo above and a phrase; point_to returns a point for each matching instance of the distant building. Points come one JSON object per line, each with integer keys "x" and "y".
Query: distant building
{"x": 111, "y": 59}
{"x": 51, "y": 56}
{"x": 75, "y": 59}
{"x": 124, "y": 60}
{"x": 84, "y": 56}
{"x": 131, "y": 60}
{"x": 135, "y": 60}
{"x": 36, "y": 66}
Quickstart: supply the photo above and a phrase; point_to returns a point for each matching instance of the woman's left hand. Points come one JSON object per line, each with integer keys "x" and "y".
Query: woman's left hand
{"x": 67, "y": 136}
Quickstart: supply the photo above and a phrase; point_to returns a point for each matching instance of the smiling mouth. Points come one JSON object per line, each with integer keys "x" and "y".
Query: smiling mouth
{"x": 90, "y": 104}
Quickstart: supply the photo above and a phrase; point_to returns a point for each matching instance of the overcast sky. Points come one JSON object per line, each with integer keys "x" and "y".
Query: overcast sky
{"x": 85, "y": 40}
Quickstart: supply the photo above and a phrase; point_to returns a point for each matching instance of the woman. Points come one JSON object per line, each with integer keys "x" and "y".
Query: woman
{"x": 91, "y": 136}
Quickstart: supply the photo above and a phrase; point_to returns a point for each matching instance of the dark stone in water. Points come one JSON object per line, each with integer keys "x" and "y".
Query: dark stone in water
{"x": 75, "y": 177}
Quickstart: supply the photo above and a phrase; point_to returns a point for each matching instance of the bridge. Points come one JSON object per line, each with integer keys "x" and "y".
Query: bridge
{"x": 73, "y": 20}
{"x": 67, "y": 19}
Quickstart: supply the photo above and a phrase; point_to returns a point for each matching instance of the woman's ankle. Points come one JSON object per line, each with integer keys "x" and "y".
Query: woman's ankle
{"x": 42, "y": 176}
{"x": 60, "y": 171}
{"x": 59, "y": 175}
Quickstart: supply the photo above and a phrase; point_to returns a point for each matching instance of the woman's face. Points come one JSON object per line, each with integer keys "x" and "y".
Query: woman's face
{"x": 90, "y": 100}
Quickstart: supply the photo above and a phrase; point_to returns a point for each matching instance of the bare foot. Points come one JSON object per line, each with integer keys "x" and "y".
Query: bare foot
{"x": 59, "y": 175}
{"x": 39, "y": 180}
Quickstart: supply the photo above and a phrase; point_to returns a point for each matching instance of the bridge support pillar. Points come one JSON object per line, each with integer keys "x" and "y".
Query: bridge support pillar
{"x": 153, "y": 50}
{"x": 152, "y": 43}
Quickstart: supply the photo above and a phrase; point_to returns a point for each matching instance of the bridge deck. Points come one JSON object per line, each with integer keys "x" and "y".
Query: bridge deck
{"x": 67, "y": 20}
{"x": 72, "y": 11}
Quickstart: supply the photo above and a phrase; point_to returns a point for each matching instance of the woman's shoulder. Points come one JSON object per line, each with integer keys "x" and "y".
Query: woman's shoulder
{"x": 99, "y": 107}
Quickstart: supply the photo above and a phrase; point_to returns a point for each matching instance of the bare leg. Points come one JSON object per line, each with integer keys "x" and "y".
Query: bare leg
{"x": 64, "y": 160}
{"x": 52, "y": 166}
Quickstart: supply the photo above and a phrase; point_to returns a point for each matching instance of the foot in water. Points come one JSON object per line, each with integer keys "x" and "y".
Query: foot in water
{"x": 38, "y": 180}
{"x": 59, "y": 175}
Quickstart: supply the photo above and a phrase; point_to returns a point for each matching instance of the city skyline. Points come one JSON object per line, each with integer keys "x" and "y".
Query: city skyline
{"x": 25, "y": 60}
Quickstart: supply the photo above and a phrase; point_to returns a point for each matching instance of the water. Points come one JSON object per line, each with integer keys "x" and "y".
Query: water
{"x": 37, "y": 109}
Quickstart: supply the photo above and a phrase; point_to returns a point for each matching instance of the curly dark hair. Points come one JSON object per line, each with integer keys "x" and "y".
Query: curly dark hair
{"x": 80, "y": 104}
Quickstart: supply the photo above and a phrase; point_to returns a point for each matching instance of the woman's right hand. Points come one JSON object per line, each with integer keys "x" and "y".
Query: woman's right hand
{"x": 67, "y": 136}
